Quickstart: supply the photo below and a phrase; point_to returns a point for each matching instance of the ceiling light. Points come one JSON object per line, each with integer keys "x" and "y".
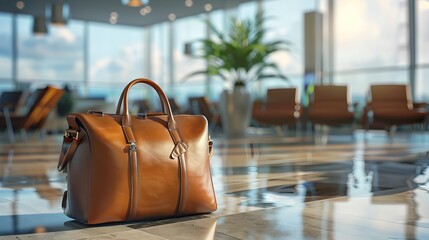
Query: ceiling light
{"x": 39, "y": 25}
{"x": 60, "y": 13}
{"x": 135, "y": 3}
{"x": 113, "y": 20}
{"x": 189, "y": 3}
{"x": 113, "y": 17}
{"x": 20, "y": 5}
{"x": 145, "y": 10}
{"x": 208, "y": 7}
{"x": 172, "y": 16}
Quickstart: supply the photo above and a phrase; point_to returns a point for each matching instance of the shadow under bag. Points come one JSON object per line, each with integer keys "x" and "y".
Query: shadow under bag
{"x": 122, "y": 167}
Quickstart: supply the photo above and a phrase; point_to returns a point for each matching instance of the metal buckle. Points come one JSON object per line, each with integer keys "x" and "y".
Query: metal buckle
{"x": 142, "y": 115}
{"x": 70, "y": 132}
{"x": 133, "y": 146}
{"x": 95, "y": 112}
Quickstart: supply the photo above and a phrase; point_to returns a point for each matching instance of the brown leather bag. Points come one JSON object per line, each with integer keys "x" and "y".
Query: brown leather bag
{"x": 122, "y": 167}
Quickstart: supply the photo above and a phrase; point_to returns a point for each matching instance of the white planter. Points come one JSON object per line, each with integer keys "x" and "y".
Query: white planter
{"x": 235, "y": 109}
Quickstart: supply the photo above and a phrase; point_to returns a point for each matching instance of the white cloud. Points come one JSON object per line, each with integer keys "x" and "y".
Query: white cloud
{"x": 287, "y": 62}
{"x": 32, "y": 70}
{"x": 124, "y": 65}
{"x": 133, "y": 52}
{"x": 63, "y": 34}
{"x": 186, "y": 65}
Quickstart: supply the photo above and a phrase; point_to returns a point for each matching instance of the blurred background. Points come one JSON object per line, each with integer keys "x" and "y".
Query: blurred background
{"x": 95, "y": 47}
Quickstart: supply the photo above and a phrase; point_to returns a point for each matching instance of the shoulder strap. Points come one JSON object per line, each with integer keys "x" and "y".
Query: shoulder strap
{"x": 71, "y": 140}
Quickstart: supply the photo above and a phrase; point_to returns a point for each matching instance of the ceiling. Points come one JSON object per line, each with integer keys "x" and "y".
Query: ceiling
{"x": 100, "y": 10}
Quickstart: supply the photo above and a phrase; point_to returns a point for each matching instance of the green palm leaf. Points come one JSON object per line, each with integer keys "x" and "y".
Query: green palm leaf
{"x": 241, "y": 51}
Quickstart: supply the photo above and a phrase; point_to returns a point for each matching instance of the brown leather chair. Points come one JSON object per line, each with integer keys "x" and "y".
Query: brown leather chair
{"x": 175, "y": 107}
{"x": 11, "y": 100}
{"x": 202, "y": 105}
{"x": 39, "y": 104}
{"x": 143, "y": 106}
{"x": 390, "y": 105}
{"x": 330, "y": 106}
{"x": 281, "y": 107}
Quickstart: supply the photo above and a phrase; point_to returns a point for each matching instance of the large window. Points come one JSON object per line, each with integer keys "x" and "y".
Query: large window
{"x": 5, "y": 46}
{"x": 115, "y": 53}
{"x": 159, "y": 54}
{"x": 116, "y": 56}
{"x": 371, "y": 40}
{"x": 422, "y": 31}
{"x": 217, "y": 85}
{"x": 285, "y": 22}
{"x": 57, "y": 56}
{"x": 370, "y": 33}
{"x": 188, "y": 30}
{"x": 422, "y": 83}
{"x": 246, "y": 10}
{"x": 360, "y": 82}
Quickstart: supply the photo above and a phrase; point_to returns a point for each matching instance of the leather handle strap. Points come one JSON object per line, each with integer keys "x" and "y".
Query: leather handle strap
{"x": 126, "y": 117}
{"x": 119, "y": 106}
{"x": 164, "y": 101}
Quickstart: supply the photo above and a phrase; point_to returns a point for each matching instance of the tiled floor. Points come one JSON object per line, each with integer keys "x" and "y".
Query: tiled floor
{"x": 267, "y": 188}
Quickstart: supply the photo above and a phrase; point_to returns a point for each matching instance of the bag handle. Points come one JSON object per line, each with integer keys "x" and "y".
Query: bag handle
{"x": 123, "y": 100}
{"x": 119, "y": 105}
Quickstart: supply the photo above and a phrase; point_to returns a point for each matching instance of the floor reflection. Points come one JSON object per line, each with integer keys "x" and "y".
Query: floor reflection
{"x": 355, "y": 179}
{"x": 29, "y": 188}
{"x": 267, "y": 188}
{"x": 34, "y": 223}
{"x": 359, "y": 183}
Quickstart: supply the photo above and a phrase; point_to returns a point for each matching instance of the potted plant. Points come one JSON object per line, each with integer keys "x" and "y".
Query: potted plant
{"x": 240, "y": 56}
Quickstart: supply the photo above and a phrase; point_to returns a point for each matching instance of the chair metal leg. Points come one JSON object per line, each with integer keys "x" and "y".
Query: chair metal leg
{"x": 391, "y": 131}
{"x": 279, "y": 131}
{"x": 325, "y": 134}
{"x": 42, "y": 134}
{"x": 24, "y": 134}
{"x": 298, "y": 129}
{"x": 10, "y": 132}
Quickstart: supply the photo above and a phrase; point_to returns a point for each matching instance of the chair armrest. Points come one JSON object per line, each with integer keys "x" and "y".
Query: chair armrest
{"x": 420, "y": 105}
{"x": 258, "y": 104}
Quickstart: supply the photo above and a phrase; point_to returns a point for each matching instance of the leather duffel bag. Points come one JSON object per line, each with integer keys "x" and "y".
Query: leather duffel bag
{"x": 123, "y": 167}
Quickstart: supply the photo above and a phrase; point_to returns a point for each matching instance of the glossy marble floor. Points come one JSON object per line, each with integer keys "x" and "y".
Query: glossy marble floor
{"x": 370, "y": 186}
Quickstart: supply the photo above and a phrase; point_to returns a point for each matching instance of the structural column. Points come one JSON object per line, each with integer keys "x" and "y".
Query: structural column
{"x": 313, "y": 49}
{"x": 147, "y": 58}
{"x": 86, "y": 57}
{"x": 412, "y": 45}
{"x": 331, "y": 20}
{"x": 171, "y": 58}
{"x": 14, "y": 50}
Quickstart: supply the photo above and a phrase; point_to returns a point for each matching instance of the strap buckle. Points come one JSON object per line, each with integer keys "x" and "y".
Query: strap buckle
{"x": 95, "y": 112}
{"x": 142, "y": 115}
{"x": 70, "y": 133}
